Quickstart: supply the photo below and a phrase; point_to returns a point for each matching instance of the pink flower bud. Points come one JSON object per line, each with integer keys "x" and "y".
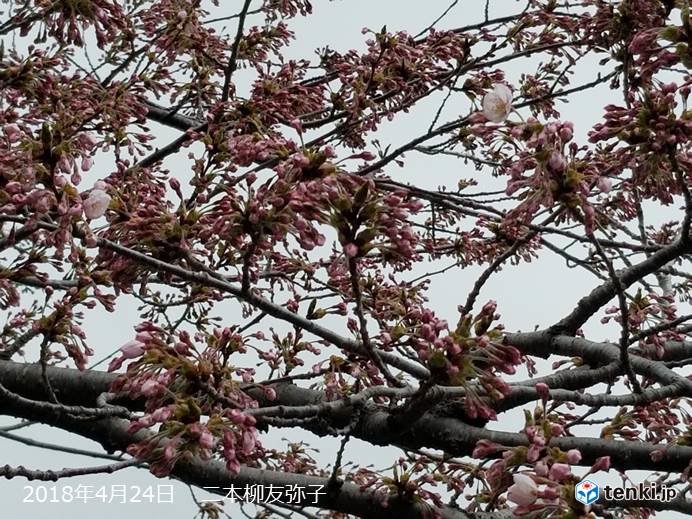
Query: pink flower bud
{"x": 549, "y": 493}
{"x": 87, "y": 162}
{"x": 602, "y": 463}
{"x": 557, "y": 162}
{"x": 169, "y": 451}
{"x": 566, "y": 132}
{"x": 485, "y": 448}
{"x": 541, "y": 469}
{"x": 162, "y": 414}
{"x": 269, "y": 392}
{"x": 559, "y": 472}
{"x": 206, "y": 439}
{"x": 604, "y": 184}
{"x": 88, "y": 140}
{"x": 350, "y": 250}
{"x": 132, "y": 349}
{"x": 543, "y": 390}
{"x": 150, "y": 388}
{"x": 573, "y": 456}
{"x": 12, "y": 132}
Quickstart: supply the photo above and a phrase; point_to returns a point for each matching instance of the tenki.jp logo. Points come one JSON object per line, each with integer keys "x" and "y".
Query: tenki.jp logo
{"x": 586, "y": 492}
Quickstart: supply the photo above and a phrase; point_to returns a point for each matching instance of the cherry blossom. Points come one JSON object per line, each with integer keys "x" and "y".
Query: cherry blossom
{"x": 96, "y": 204}
{"x": 524, "y": 491}
{"x": 497, "y": 104}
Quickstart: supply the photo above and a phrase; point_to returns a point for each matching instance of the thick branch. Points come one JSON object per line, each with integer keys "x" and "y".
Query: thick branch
{"x": 450, "y": 435}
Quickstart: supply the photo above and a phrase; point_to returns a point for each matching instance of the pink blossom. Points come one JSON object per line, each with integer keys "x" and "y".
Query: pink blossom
{"x": 541, "y": 469}
{"x": 524, "y": 491}
{"x": 116, "y": 363}
{"x": 550, "y": 493}
{"x": 232, "y": 464}
{"x": 533, "y": 453}
{"x": 566, "y": 132}
{"x": 88, "y": 140}
{"x": 643, "y": 41}
{"x": 162, "y": 413}
{"x": 485, "y": 448}
{"x": 150, "y": 388}
{"x": 249, "y": 441}
{"x": 169, "y": 451}
{"x": 87, "y": 162}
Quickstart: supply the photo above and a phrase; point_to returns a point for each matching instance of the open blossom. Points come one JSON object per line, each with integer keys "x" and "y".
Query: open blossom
{"x": 524, "y": 492}
{"x": 96, "y": 204}
{"x": 497, "y": 104}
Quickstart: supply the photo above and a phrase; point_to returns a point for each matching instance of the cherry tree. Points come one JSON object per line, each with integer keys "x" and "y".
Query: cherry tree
{"x": 281, "y": 253}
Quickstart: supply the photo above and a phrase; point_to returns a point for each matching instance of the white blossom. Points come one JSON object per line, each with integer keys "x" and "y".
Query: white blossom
{"x": 497, "y": 104}
{"x": 524, "y": 492}
{"x": 96, "y": 204}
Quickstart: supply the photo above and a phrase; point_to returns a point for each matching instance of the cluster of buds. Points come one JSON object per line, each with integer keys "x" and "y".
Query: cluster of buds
{"x": 48, "y": 187}
{"x": 545, "y": 483}
{"x": 366, "y": 219}
{"x": 472, "y": 356}
{"x": 180, "y": 385}
{"x": 395, "y": 69}
{"x": 66, "y": 23}
{"x": 548, "y": 171}
{"x": 643, "y": 309}
{"x": 649, "y": 131}
{"x": 409, "y": 481}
